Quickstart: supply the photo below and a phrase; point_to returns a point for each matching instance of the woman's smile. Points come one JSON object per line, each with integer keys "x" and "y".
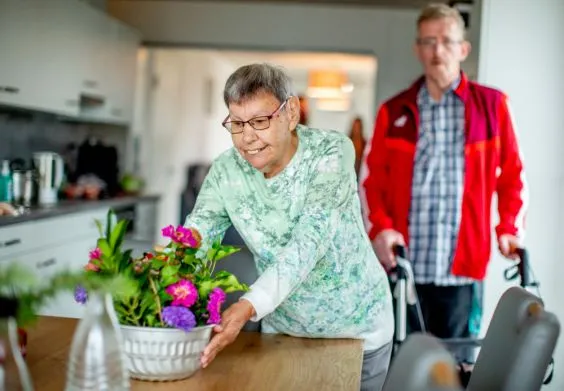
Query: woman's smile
{"x": 255, "y": 151}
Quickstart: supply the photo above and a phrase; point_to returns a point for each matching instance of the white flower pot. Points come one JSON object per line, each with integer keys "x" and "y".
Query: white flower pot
{"x": 163, "y": 354}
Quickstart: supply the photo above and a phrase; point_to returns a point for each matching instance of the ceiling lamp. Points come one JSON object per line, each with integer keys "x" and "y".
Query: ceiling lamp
{"x": 331, "y": 83}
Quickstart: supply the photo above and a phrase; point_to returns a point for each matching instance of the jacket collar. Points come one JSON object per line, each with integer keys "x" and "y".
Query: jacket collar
{"x": 410, "y": 95}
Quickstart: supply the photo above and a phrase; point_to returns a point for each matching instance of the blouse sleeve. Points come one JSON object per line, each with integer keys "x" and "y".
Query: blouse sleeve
{"x": 209, "y": 216}
{"x": 332, "y": 184}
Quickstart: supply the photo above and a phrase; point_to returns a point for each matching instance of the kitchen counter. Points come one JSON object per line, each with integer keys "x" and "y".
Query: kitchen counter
{"x": 254, "y": 362}
{"x": 73, "y": 206}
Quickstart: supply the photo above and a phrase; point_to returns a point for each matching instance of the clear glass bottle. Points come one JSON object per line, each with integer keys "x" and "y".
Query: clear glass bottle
{"x": 96, "y": 361}
{"x": 14, "y": 375}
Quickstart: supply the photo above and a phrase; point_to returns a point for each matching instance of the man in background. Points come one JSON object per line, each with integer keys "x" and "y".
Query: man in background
{"x": 440, "y": 150}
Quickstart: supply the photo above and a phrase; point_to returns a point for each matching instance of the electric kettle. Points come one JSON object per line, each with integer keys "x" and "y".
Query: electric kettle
{"x": 50, "y": 171}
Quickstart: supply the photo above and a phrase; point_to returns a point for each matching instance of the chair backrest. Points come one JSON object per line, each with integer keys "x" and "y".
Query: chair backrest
{"x": 518, "y": 345}
{"x": 422, "y": 363}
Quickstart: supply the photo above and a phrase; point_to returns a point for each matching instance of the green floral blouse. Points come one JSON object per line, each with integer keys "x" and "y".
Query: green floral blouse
{"x": 318, "y": 274}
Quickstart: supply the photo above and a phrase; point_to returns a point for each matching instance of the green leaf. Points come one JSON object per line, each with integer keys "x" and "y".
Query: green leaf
{"x": 226, "y": 251}
{"x": 118, "y": 234}
{"x": 104, "y": 246}
{"x": 231, "y": 284}
{"x": 151, "y": 320}
{"x": 169, "y": 275}
{"x": 100, "y": 227}
{"x": 205, "y": 287}
{"x": 157, "y": 264}
{"x": 109, "y": 223}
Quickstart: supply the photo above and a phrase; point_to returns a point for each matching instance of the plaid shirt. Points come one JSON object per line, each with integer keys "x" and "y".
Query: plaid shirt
{"x": 437, "y": 187}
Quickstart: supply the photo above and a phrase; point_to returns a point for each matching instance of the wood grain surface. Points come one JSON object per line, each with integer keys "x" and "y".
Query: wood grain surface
{"x": 254, "y": 362}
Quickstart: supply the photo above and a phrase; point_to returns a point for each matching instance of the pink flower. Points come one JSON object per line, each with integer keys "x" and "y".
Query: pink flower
{"x": 95, "y": 254}
{"x": 181, "y": 235}
{"x": 94, "y": 260}
{"x": 168, "y": 232}
{"x": 91, "y": 266}
{"x": 216, "y": 299}
{"x": 184, "y": 293}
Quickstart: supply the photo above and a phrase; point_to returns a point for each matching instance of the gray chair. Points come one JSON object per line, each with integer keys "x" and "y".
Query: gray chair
{"x": 422, "y": 363}
{"x": 242, "y": 265}
{"x": 518, "y": 347}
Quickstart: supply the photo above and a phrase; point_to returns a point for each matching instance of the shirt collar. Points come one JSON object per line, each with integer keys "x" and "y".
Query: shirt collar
{"x": 423, "y": 97}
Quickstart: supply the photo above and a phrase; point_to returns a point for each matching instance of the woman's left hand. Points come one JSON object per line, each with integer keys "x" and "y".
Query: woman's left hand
{"x": 233, "y": 320}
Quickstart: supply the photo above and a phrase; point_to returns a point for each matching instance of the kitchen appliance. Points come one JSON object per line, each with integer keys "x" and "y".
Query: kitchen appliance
{"x": 50, "y": 170}
{"x": 18, "y": 185}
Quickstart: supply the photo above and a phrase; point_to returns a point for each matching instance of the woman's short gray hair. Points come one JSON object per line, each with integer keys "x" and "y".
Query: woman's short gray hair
{"x": 249, "y": 80}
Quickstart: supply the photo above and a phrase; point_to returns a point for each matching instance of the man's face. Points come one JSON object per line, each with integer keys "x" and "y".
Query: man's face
{"x": 441, "y": 48}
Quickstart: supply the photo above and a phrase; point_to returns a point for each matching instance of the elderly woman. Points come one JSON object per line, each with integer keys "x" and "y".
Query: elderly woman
{"x": 291, "y": 193}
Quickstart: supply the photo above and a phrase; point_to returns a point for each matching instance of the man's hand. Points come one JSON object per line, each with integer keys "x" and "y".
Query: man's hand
{"x": 508, "y": 245}
{"x": 232, "y": 321}
{"x": 384, "y": 247}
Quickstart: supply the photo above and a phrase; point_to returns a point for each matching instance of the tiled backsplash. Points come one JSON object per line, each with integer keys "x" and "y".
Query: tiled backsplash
{"x": 22, "y": 133}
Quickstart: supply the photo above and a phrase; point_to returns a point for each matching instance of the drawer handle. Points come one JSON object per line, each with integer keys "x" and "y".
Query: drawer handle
{"x": 11, "y": 242}
{"x": 47, "y": 263}
{"x": 12, "y": 90}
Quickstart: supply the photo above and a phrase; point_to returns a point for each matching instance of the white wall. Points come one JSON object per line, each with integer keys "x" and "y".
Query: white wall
{"x": 521, "y": 53}
{"x": 388, "y": 34}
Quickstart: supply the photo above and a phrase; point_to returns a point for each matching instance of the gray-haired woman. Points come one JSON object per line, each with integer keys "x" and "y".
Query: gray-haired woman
{"x": 291, "y": 192}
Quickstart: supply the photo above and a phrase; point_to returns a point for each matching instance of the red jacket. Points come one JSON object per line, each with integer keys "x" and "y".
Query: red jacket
{"x": 492, "y": 164}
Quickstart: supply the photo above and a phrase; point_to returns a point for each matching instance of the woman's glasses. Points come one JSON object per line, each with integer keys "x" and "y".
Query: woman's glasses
{"x": 257, "y": 123}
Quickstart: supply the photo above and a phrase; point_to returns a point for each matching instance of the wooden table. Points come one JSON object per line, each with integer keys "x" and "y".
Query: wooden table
{"x": 254, "y": 362}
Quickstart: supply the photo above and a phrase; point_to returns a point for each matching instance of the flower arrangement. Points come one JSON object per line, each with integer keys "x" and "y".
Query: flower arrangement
{"x": 177, "y": 284}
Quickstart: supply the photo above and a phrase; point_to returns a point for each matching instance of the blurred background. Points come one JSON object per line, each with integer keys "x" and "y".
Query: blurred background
{"x": 109, "y": 100}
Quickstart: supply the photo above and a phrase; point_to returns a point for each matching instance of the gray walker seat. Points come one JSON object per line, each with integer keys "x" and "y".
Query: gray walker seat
{"x": 422, "y": 364}
{"x": 518, "y": 347}
{"x": 519, "y": 342}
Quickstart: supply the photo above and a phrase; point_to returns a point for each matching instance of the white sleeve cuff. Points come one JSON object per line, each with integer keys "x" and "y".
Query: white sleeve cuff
{"x": 261, "y": 302}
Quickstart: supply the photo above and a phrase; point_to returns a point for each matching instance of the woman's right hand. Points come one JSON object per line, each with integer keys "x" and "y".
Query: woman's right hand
{"x": 384, "y": 247}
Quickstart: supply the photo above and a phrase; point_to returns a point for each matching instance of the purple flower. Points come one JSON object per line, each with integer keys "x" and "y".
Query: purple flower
{"x": 216, "y": 299}
{"x": 179, "y": 317}
{"x": 80, "y": 294}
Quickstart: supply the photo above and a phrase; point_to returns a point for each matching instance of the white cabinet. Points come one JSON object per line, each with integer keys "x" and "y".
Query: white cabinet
{"x": 34, "y": 235}
{"x": 67, "y": 58}
{"x": 50, "y": 245}
{"x": 71, "y": 256}
{"x": 28, "y": 65}
{"x": 121, "y": 75}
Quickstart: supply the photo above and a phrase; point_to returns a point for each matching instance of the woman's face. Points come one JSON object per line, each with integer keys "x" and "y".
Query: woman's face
{"x": 271, "y": 149}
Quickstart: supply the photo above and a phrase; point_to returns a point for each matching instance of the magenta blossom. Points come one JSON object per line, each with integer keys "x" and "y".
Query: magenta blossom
{"x": 94, "y": 260}
{"x": 181, "y": 235}
{"x": 179, "y": 317}
{"x": 95, "y": 254}
{"x": 183, "y": 293}
{"x": 216, "y": 299}
{"x": 168, "y": 231}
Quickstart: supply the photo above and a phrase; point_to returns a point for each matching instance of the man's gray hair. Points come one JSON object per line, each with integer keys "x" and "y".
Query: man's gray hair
{"x": 249, "y": 80}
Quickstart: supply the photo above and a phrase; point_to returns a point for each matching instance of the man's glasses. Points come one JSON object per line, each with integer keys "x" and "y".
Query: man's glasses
{"x": 431, "y": 43}
{"x": 257, "y": 123}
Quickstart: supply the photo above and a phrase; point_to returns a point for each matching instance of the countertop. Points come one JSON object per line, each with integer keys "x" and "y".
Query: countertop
{"x": 254, "y": 362}
{"x": 73, "y": 206}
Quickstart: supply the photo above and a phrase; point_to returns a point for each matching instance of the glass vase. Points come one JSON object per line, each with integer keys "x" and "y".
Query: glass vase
{"x": 96, "y": 360}
{"x": 14, "y": 375}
